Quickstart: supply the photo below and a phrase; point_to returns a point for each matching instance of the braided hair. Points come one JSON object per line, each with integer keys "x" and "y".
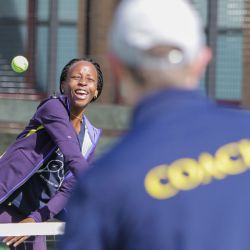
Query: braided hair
{"x": 65, "y": 70}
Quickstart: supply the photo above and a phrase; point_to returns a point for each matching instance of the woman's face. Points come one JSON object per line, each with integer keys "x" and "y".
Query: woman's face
{"x": 81, "y": 84}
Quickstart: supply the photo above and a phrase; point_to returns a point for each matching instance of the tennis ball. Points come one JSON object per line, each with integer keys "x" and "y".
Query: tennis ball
{"x": 19, "y": 64}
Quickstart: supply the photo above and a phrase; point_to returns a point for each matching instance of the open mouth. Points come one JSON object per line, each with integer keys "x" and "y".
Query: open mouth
{"x": 81, "y": 93}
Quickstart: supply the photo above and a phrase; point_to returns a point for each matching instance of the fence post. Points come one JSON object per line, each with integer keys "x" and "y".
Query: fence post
{"x": 246, "y": 57}
{"x": 212, "y": 43}
{"x": 52, "y": 46}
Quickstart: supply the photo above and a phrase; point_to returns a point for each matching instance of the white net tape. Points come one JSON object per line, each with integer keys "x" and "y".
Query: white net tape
{"x": 43, "y": 228}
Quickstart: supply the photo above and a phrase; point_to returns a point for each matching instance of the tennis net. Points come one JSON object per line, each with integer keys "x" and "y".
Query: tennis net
{"x": 45, "y": 235}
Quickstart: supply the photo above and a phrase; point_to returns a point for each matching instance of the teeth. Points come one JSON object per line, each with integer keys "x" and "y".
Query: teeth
{"x": 81, "y": 91}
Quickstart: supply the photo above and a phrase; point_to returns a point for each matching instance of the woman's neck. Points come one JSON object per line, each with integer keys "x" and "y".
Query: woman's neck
{"x": 76, "y": 120}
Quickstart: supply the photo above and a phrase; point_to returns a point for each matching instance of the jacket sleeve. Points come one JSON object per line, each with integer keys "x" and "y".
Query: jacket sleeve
{"x": 54, "y": 116}
{"x": 57, "y": 203}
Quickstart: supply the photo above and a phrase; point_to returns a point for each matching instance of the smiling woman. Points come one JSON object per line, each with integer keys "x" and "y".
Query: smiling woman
{"x": 81, "y": 81}
{"x": 38, "y": 170}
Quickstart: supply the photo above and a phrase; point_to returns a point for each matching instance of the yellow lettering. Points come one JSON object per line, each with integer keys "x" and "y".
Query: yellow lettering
{"x": 244, "y": 149}
{"x": 157, "y": 185}
{"x": 163, "y": 181}
{"x": 208, "y": 164}
{"x": 184, "y": 174}
{"x": 229, "y": 160}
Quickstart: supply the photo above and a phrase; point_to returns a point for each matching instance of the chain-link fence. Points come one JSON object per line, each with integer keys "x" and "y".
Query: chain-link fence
{"x": 50, "y": 33}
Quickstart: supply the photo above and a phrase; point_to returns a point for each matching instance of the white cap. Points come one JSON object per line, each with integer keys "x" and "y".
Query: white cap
{"x": 141, "y": 25}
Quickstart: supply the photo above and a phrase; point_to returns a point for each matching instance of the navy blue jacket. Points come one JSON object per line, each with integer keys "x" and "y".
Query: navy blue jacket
{"x": 179, "y": 179}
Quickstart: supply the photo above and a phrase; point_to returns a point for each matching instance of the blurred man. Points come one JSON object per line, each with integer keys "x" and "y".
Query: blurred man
{"x": 179, "y": 179}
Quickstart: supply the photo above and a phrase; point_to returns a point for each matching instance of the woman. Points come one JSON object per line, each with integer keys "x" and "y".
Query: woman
{"x": 38, "y": 169}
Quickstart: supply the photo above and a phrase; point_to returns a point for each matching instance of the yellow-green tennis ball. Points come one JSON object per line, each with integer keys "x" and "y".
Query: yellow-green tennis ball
{"x": 19, "y": 64}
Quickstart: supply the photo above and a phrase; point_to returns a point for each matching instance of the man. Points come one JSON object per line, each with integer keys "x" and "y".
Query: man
{"x": 179, "y": 179}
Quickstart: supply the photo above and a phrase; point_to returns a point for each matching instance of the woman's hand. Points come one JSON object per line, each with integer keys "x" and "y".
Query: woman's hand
{"x": 16, "y": 240}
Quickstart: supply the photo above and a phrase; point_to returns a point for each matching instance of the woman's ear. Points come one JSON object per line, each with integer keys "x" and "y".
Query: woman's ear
{"x": 96, "y": 94}
{"x": 62, "y": 87}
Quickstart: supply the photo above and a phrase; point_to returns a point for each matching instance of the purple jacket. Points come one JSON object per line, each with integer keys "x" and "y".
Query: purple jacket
{"x": 49, "y": 128}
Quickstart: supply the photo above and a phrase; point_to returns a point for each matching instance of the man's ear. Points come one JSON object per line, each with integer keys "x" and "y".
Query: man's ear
{"x": 202, "y": 61}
